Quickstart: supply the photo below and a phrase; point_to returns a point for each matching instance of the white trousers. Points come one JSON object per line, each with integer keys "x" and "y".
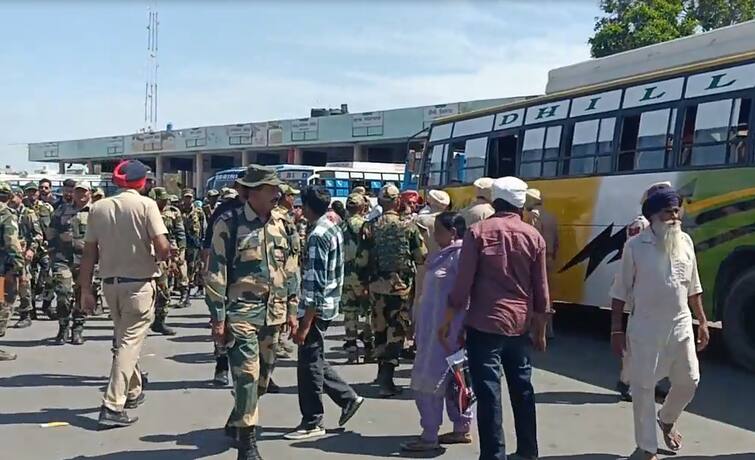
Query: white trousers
{"x": 677, "y": 360}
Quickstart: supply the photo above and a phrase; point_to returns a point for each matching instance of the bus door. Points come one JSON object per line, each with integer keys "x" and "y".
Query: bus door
{"x": 502, "y": 154}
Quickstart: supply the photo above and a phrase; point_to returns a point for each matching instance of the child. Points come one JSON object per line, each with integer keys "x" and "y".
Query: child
{"x": 430, "y": 363}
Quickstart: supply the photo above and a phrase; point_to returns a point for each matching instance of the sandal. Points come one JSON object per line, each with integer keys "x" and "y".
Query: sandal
{"x": 640, "y": 454}
{"x": 419, "y": 445}
{"x": 671, "y": 436}
{"x": 455, "y": 438}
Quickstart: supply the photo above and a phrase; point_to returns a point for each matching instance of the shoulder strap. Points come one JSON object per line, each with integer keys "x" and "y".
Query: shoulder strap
{"x": 230, "y": 245}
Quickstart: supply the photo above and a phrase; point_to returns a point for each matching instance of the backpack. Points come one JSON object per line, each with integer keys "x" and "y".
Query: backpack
{"x": 392, "y": 245}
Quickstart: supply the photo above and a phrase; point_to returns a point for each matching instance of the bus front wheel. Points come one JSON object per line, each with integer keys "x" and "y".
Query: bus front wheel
{"x": 739, "y": 320}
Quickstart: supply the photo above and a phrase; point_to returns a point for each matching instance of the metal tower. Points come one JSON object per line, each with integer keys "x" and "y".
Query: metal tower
{"x": 150, "y": 85}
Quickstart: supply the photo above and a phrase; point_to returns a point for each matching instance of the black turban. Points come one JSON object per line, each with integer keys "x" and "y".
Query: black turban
{"x": 660, "y": 200}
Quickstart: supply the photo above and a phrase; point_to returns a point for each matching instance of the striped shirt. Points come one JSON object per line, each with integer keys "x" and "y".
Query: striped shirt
{"x": 323, "y": 270}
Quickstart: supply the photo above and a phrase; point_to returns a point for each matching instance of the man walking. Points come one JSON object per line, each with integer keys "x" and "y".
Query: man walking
{"x": 480, "y": 209}
{"x": 127, "y": 235}
{"x": 503, "y": 281}
{"x": 250, "y": 293}
{"x": 11, "y": 254}
{"x": 659, "y": 275}
{"x": 31, "y": 237}
{"x": 41, "y": 285}
{"x": 177, "y": 236}
{"x": 193, "y": 219}
{"x": 321, "y": 293}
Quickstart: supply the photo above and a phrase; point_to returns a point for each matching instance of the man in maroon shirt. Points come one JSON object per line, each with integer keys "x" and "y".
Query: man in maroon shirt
{"x": 503, "y": 284}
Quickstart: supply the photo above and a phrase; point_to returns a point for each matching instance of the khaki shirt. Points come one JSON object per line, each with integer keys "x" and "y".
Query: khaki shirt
{"x": 477, "y": 211}
{"x": 123, "y": 227}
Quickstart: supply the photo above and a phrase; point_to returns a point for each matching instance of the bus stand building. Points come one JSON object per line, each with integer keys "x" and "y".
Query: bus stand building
{"x": 192, "y": 155}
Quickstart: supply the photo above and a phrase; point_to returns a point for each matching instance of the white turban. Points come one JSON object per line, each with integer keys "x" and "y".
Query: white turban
{"x": 438, "y": 199}
{"x": 482, "y": 187}
{"x": 510, "y": 189}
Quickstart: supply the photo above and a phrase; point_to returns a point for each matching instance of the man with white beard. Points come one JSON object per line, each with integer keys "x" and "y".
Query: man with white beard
{"x": 659, "y": 274}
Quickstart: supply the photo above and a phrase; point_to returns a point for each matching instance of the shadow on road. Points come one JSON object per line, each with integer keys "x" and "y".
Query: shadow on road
{"x": 750, "y": 456}
{"x": 575, "y": 398}
{"x": 75, "y": 417}
{"x": 581, "y": 351}
{"x": 204, "y": 443}
{"x": 62, "y": 380}
{"x": 193, "y": 358}
{"x": 356, "y": 444}
{"x": 192, "y": 338}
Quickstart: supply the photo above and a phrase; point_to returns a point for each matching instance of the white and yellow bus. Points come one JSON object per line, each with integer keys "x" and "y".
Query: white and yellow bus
{"x": 593, "y": 150}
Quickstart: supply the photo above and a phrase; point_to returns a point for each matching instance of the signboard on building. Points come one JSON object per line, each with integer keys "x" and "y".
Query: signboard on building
{"x": 240, "y": 134}
{"x": 259, "y": 135}
{"x": 434, "y": 112}
{"x": 146, "y": 142}
{"x": 195, "y": 137}
{"x": 115, "y": 145}
{"x": 50, "y": 150}
{"x": 305, "y": 129}
{"x": 274, "y": 134}
{"x": 367, "y": 124}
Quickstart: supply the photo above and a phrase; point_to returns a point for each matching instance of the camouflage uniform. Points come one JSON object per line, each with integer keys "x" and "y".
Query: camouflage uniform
{"x": 65, "y": 268}
{"x": 11, "y": 256}
{"x": 193, "y": 219}
{"x": 389, "y": 253}
{"x": 41, "y": 265}
{"x": 285, "y": 348}
{"x": 253, "y": 293}
{"x": 31, "y": 237}
{"x": 355, "y": 301}
{"x": 177, "y": 238}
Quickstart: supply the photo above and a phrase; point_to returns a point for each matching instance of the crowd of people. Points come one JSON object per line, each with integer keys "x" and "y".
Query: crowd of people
{"x": 415, "y": 281}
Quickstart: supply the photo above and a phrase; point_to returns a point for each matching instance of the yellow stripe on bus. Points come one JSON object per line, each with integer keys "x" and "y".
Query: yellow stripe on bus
{"x": 697, "y": 206}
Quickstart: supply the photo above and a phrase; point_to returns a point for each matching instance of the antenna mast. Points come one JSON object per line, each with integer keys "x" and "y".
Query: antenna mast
{"x": 150, "y": 84}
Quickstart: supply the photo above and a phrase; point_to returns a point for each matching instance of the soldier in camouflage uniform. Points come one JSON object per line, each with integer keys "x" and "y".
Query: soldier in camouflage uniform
{"x": 177, "y": 237}
{"x": 64, "y": 269}
{"x": 31, "y": 238}
{"x": 210, "y": 203}
{"x": 390, "y": 250}
{"x": 251, "y": 293}
{"x": 355, "y": 300}
{"x": 12, "y": 261}
{"x": 41, "y": 281}
{"x": 193, "y": 218}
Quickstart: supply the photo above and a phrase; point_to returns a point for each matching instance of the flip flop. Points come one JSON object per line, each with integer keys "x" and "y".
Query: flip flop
{"x": 671, "y": 436}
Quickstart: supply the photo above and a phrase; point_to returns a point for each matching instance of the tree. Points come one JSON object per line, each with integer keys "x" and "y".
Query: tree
{"x": 631, "y": 24}
{"x": 712, "y": 14}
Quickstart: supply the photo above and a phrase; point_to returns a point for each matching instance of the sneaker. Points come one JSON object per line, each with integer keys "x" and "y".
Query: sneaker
{"x": 134, "y": 403}
{"x": 455, "y": 438}
{"x": 305, "y": 433}
{"x": 220, "y": 379}
{"x": 419, "y": 445}
{"x": 625, "y": 392}
{"x": 112, "y": 419}
{"x": 350, "y": 410}
{"x": 23, "y": 323}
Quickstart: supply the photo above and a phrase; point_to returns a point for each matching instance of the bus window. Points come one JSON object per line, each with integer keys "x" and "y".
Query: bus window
{"x": 457, "y": 162}
{"x": 647, "y": 140}
{"x": 435, "y": 167}
{"x": 540, "y": 145}
{"x": 472, "y": 165}
{"x": 713, "y": 129}
{"x": 591, "y": 147}
{"x": 502, "y": 161}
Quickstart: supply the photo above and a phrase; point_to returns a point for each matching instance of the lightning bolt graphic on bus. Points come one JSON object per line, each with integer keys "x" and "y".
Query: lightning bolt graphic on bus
{"x": 598, "y": 249}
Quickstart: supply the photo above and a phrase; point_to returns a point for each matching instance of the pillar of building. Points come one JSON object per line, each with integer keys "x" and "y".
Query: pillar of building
{"x": 199, "y": 173}
{"x": 159, "y": 170}
{"x": 90, "y": 167}
{"x": 246, "y": 158}
{"x": 295, "y": 156}
{"x": 360, "y": 153}
{"x": 61, "y": 167}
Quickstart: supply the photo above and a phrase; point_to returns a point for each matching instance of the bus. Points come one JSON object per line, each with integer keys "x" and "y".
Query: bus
{"x": 338, "y": 178}
{"x": 592, "y": 150}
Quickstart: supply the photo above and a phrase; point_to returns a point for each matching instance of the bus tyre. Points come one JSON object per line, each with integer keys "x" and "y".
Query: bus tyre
{"x": 739, "y": 320}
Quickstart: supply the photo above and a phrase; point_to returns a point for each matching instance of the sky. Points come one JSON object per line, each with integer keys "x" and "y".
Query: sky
{"x": 72, "y": 70}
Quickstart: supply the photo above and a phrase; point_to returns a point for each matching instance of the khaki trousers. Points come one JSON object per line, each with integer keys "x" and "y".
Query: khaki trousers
{"x": 132, "y": 307}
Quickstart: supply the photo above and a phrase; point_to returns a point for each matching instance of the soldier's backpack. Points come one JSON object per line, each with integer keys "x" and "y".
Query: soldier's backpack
{"x": 392, "y": 246}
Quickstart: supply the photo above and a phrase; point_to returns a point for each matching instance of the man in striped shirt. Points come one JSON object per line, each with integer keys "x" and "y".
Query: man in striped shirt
{"x": 322, "y": 282}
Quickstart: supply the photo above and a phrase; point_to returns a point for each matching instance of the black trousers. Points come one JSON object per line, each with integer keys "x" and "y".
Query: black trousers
{"x": 315, "y": 375}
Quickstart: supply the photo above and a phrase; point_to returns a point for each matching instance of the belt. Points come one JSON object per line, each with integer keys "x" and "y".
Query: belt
{"x": 123, "y": 279}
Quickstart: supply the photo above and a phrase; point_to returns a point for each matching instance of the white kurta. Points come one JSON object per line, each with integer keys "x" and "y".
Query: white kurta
{"x": 659, "y": 333}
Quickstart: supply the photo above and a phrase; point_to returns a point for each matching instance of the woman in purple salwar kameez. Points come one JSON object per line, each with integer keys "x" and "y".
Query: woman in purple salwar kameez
{"x": 430, "y": 376}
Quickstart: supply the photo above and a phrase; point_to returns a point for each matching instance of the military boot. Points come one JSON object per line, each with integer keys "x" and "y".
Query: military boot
{"x": 387, "y": 386}
{"x": 49, "y": 309}
{"x": 24, "y": 320}
{"x": 369, "y": 353}
{"x": 159, "y": 326}
{"x": 185, "y": 303}
{"x": 221, "y": 371}
{"x": 63, "y": 333}
{"x": 248, "y": 444}
{"x": 352, "y": 351}
{"x": 77, "y": 337}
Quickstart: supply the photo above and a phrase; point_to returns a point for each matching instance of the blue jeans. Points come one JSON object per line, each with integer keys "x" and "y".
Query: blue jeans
{"x": 488, "y": 353}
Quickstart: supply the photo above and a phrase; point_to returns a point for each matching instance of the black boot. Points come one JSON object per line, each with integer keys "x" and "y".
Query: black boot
{"x": 369, "y": 353}
{"x": 221, "y": 371}
{"x": 352, "y": 351}
{"x": 248, "y": 444}
{"x": 387, "y": 387}
{"x": 185, "y": 297}
{"x": 24, "y": 320}
{"x": 159, "y": 326}
{"x": 112, "y": 419}
{"x": 63, "y": 332}
{"x": 77, "y": 337}
{"x": 49, "y": 309}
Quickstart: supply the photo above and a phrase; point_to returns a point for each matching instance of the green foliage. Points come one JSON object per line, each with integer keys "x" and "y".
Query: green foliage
{"x": 632, "y": 24}
{"x": 712, "y": 14}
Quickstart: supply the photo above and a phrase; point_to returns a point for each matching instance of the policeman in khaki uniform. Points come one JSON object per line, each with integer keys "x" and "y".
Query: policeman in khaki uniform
{"x": 126, "y": 234}
{"x": 40, "y": 267}
{"x": 390, "y": 250}
{"x": 177, "y": 237}
{"x": 251, "y": 293}
{"x": 65, "y": 268}
{"x": 31, "y": 238}
{"x": 355, "y": 301}
{"x": 12, "y": 261}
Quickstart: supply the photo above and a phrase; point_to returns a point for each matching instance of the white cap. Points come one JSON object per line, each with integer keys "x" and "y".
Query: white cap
{"x": 534, "y": 194}
{"x": 510, "y": 189}
{"x": 438, "y": 198}
{"x": 482, "y": 187}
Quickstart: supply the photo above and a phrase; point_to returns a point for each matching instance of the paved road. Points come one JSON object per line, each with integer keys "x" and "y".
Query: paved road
{"x": 579, "y": 416}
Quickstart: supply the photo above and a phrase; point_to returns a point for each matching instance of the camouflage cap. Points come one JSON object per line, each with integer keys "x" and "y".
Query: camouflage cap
{"x": 212, "y": 192}
{"x": 5, "y": 188}
{"x": 288, "y": 190}
{"x": 17, "y": 190}
{"x": 187, "y": 192}
{"x": 229, "y": 194}
{"x": 31, "y": 186}
{"x": 160, "y": 193}
{"x": 257, "y": 175}
{"x": 355, "y": 199}
{"x": 83, "y": 186}
{"x": 173, "y": 198}
{"x": 388, "y": 193}
{"x": 360, "y": 190}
